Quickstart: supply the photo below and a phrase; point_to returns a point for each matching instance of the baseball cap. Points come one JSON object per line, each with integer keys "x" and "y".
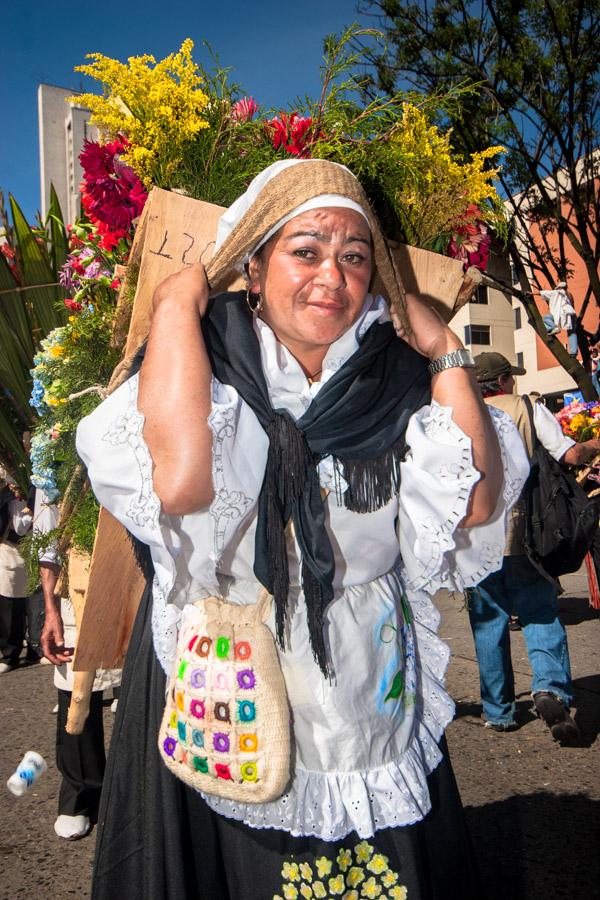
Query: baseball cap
{"x": 490, "y": 366}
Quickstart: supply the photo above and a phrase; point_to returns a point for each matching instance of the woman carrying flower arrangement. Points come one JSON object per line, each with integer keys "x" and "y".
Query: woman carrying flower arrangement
{"x": 311, "y": 445}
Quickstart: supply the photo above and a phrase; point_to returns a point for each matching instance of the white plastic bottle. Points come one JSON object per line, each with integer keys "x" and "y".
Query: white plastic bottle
{"x": 29, "y": 770}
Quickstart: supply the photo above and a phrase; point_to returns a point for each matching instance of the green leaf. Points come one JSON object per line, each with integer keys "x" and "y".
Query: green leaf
{"x": 36, "y": 271}
{"x": 59, "y": 245}
{"x": 12, "y": 453}
{"x": 395, "y": 692}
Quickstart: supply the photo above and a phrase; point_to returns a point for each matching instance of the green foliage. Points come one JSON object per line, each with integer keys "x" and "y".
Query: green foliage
{"x": 27, "y": 313}
{"x": 535, "y": 75}
{"x": 420, "y": 190}
{"x": 72, "y": 369}
{"x": 535, "y": 71}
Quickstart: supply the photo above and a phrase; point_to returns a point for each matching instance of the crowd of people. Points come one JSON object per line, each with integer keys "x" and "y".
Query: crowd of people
{"x": 343, "y": 452}
{"x": 25, "y": 614}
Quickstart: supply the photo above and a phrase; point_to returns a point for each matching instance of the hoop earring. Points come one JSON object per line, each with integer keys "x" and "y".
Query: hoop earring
{"x": 254, "y": 302}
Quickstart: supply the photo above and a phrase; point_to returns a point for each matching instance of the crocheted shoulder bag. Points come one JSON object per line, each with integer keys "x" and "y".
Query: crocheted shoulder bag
{"x": 226, "y": 725}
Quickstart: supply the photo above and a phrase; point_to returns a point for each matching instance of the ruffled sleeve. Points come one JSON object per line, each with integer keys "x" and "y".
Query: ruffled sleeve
{"x": 110, "y": 441}
{"x": 111, "y": 444}
{"x": 438, "y": 476}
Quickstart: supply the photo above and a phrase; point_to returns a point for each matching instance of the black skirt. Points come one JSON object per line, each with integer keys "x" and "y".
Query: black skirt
{"x": 158, "y": 839}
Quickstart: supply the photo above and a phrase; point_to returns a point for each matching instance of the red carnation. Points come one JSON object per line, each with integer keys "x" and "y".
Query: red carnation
{"x": 112, "y": 195}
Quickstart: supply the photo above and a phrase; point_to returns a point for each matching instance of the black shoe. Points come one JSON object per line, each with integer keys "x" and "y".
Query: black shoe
{"x": 555, "y": 714}
{"x": 501, "y": 727}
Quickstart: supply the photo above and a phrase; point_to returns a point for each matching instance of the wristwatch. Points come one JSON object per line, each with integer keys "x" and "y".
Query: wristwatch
{"x": 462, "y": 359}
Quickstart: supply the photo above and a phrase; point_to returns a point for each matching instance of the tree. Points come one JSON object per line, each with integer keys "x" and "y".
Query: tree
{"x": 535, "y": 70}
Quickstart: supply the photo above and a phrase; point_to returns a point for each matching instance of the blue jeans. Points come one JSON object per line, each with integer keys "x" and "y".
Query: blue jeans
{"x": 518, "y": 588}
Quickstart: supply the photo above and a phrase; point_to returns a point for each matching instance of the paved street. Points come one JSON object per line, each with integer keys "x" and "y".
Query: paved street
{"x": 533, "y": 807}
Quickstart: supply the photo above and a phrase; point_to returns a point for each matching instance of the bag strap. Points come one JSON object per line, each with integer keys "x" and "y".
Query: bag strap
{"x": 529, "y": 407}
{"x": 259, "y": 611}
{"x": 263, "y": 605}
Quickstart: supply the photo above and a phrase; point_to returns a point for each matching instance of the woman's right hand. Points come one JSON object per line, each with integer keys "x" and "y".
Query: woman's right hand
{"x": 184, "y": 289}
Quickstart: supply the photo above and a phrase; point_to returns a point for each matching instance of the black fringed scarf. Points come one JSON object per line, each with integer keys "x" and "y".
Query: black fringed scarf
{"x": 359, "y": 417}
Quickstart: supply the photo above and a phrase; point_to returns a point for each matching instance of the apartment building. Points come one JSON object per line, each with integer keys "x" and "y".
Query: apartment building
{"x": 62, "y": 128}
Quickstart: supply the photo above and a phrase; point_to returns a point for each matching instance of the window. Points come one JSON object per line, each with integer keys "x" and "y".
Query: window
{"x": 517, "y": 317}
{"x": 477, "y": 334}
{"x": 520, "y": 360}
{"x": 480, "y": 295}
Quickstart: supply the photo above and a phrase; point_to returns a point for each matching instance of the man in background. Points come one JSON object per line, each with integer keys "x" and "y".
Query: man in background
{"x": 519, "y": 587}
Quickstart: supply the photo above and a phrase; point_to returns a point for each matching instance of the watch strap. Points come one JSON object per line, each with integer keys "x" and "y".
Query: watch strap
{"x": 456, "y": 359}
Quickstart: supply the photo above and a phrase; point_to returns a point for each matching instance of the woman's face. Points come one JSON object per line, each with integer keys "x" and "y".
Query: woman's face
{"x": 314, "y": 275}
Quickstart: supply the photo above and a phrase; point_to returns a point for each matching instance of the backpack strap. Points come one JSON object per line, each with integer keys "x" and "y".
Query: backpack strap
{"x": 529, "y": 407}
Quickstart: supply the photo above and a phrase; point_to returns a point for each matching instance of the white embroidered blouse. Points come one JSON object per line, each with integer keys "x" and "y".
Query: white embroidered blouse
{"x": 363, "y": 746}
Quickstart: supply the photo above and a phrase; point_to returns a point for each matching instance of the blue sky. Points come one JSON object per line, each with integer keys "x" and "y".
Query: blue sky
{"x": 274, "y": 48}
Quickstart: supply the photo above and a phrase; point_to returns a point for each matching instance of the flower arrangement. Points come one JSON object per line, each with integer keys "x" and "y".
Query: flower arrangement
{"x": 580, "y": 421}
{"x": 76, "y": 360}
{"x": 159, "y": 106}
{"x": 179, "y": 126}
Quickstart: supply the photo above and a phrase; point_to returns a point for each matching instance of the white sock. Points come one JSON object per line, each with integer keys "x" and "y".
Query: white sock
{"x": 72, "y": 827}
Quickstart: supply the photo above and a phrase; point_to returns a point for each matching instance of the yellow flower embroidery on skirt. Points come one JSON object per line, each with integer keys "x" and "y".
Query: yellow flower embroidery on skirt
{"x": 358, "y": 874}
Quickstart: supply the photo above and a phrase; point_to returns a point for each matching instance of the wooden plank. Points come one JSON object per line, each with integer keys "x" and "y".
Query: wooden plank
{"x": 179, "y": 232}
{"x": 112, "y": 598}
{"x": 437, "y": 279}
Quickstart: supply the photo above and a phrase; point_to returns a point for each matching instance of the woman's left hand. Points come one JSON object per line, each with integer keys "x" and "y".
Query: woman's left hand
{"x": 430, "y": 335}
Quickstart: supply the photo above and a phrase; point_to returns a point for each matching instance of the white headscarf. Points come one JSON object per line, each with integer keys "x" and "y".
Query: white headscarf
{"x": 240, "y": 207}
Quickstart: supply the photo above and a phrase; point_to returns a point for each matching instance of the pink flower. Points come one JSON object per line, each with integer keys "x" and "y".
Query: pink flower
{"x": 244, "y": 109}
{"x": 292, "y": 132}
{"x": 471, "y": 239}
{"x": 73, "y": 304}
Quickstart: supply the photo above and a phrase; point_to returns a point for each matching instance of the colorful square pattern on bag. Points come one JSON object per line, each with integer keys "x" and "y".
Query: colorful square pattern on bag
{"x": 213, "y": 726}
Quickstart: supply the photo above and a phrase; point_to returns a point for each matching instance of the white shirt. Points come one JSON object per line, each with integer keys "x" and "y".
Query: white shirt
{"x": 13, "y": 571}
{"x": 560, "y": 307}
{"x": 550, "y": 433}
{"x": 361, "y": 762}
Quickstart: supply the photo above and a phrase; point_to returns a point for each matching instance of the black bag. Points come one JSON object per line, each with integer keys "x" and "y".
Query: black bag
{"x": 561, "y": 521}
